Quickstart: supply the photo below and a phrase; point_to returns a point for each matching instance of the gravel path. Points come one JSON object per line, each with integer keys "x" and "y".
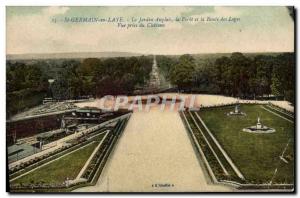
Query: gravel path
{"x": 154, "y": 150}
{"x": 202, "y": 99}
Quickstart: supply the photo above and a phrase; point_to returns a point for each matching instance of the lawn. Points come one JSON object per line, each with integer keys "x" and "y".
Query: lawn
{"x": 56, "y": 172}
{"x": 256, "y": 155}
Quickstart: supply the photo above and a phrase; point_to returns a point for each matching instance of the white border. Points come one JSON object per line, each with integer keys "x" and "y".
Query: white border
{"x": 4, "y": 3}
{"x": 150, "y": 2}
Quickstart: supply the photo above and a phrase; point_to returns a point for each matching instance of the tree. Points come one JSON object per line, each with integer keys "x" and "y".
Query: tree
{"x": 276, "y": 87}
{"x": 89, "y": 66}
{"x": 222, "y": 74}
{"x": 120, "y": 75}
{"x": 165, "y": 65}
{"x": 183, "y": 73}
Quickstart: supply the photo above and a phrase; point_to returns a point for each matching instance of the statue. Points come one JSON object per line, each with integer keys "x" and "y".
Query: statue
{"x": 259, "y": 128}
{"x": 236, "y": 111}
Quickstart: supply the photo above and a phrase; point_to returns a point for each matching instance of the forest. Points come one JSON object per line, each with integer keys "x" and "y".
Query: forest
{"x": 268, "y": 76}
{"x": 27, "y": 82}
{"x": 257, "y": 76}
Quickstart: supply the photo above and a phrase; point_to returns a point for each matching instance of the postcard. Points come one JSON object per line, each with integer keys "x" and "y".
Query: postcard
{"x": 156, "y": 99}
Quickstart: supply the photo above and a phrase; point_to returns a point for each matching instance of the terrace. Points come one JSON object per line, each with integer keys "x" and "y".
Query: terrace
{"x": 244, "y": 159}
{"x": 85, "y": 159}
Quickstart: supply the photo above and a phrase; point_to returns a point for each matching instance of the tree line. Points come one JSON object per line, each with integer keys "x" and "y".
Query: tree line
{"x": 99, "y": 77}
{"x": 237, "y": 75}
{"x": 27, "y": 82}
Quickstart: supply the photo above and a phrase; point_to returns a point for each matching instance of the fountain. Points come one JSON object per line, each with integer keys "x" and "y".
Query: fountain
{"x": 259, "y": 128}
{"x": 236, "y": 112}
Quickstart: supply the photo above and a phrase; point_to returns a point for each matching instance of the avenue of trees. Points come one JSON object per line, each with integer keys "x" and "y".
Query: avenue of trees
{"x": 236, "y": 75}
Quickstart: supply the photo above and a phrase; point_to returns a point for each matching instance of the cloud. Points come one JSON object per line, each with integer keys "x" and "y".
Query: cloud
{"x": 55, "y": 10}
{"x": 227, "y": 11}
{"x": 257, "y": 31}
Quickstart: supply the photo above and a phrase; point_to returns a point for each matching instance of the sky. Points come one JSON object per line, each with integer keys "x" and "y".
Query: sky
{"x": 258, "y": 29}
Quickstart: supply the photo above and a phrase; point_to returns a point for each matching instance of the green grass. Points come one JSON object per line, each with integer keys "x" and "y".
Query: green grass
{"x": 256, "y": 155}
{"x": 56, "y": 172}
